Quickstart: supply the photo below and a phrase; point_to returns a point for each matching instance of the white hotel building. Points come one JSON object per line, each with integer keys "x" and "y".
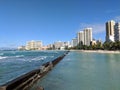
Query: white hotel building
{"x": 74, "y": 42}
{"x": 85, "y": 36}
{"x": 34, "y": 45}
{"x": 80, "y": 37}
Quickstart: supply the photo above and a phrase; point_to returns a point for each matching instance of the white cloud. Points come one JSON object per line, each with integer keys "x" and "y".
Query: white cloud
{"x": 97, "y": 27}
{"x": 117, "y": 18}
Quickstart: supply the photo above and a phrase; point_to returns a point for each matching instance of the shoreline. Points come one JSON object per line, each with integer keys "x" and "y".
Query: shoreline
{"x": 98, "y": 51}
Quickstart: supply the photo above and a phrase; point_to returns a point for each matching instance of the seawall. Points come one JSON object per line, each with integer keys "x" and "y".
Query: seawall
{"x": 25, "y": 81}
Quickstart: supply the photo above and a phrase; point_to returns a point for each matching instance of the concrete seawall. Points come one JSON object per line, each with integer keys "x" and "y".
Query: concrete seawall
{"x": 25, "y": 81}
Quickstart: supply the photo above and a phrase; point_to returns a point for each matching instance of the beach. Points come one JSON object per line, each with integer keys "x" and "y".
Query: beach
{"x": 98, "y": 51}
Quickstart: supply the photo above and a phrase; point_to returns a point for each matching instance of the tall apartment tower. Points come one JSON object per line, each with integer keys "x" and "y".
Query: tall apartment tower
{"x": 117, "y": 32}
{"x": 80, "y": 37}
{"x": 87, "y": 36}
{"x": 110, "y": 31}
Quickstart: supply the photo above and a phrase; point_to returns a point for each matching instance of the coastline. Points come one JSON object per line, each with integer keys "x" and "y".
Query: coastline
{"x": 98, "y": 51}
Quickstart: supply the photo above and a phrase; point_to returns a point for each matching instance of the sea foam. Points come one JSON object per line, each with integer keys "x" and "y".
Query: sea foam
{"x": 1, "y": 57}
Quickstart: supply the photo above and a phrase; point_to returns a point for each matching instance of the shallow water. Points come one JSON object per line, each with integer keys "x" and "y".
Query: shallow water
{"x": 84, "y": 71}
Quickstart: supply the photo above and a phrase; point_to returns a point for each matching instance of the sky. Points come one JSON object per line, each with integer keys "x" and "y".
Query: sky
{"x": 53, "y": 20}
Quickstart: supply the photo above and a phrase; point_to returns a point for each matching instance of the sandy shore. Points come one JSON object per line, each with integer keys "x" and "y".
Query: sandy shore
{"x": 97, "y": 51}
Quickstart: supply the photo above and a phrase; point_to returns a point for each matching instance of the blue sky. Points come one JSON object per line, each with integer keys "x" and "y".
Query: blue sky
{"x": 53, "y": 20}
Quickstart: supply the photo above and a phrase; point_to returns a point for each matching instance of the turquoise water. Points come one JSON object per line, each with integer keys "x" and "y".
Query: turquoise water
{"x": 84, "y": 71}
{"x": 16, "y": 63}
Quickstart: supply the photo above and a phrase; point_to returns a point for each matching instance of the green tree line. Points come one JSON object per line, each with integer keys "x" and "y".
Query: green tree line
{"x": 99, "y": 46}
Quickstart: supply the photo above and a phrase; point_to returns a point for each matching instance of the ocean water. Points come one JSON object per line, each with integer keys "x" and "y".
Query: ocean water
{"x": 16, "y": 63}
{"x": 84, "y": 71}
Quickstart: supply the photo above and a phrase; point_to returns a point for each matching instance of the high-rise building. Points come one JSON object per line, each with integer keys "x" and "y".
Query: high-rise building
{"x": 87, "y": 36}
{"x": 58, "y": 44}
{"x": 74, "y": 42}
{"x": 117, "y": 32}
{"x": 80, "y": 36}
{"x": 33, "y": 45}
{"x": 110, "y": 31}
{"x": 67, "y": 43}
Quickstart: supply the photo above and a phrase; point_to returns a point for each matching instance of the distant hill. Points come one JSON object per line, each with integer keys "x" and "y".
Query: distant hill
{"x": 7, "y": 49}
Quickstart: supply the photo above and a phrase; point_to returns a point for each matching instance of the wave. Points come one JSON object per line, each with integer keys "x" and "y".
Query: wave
{"x": 3, "y": 57}
{"x": 40, "y": 58}
{"x": 19, "y": 56}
